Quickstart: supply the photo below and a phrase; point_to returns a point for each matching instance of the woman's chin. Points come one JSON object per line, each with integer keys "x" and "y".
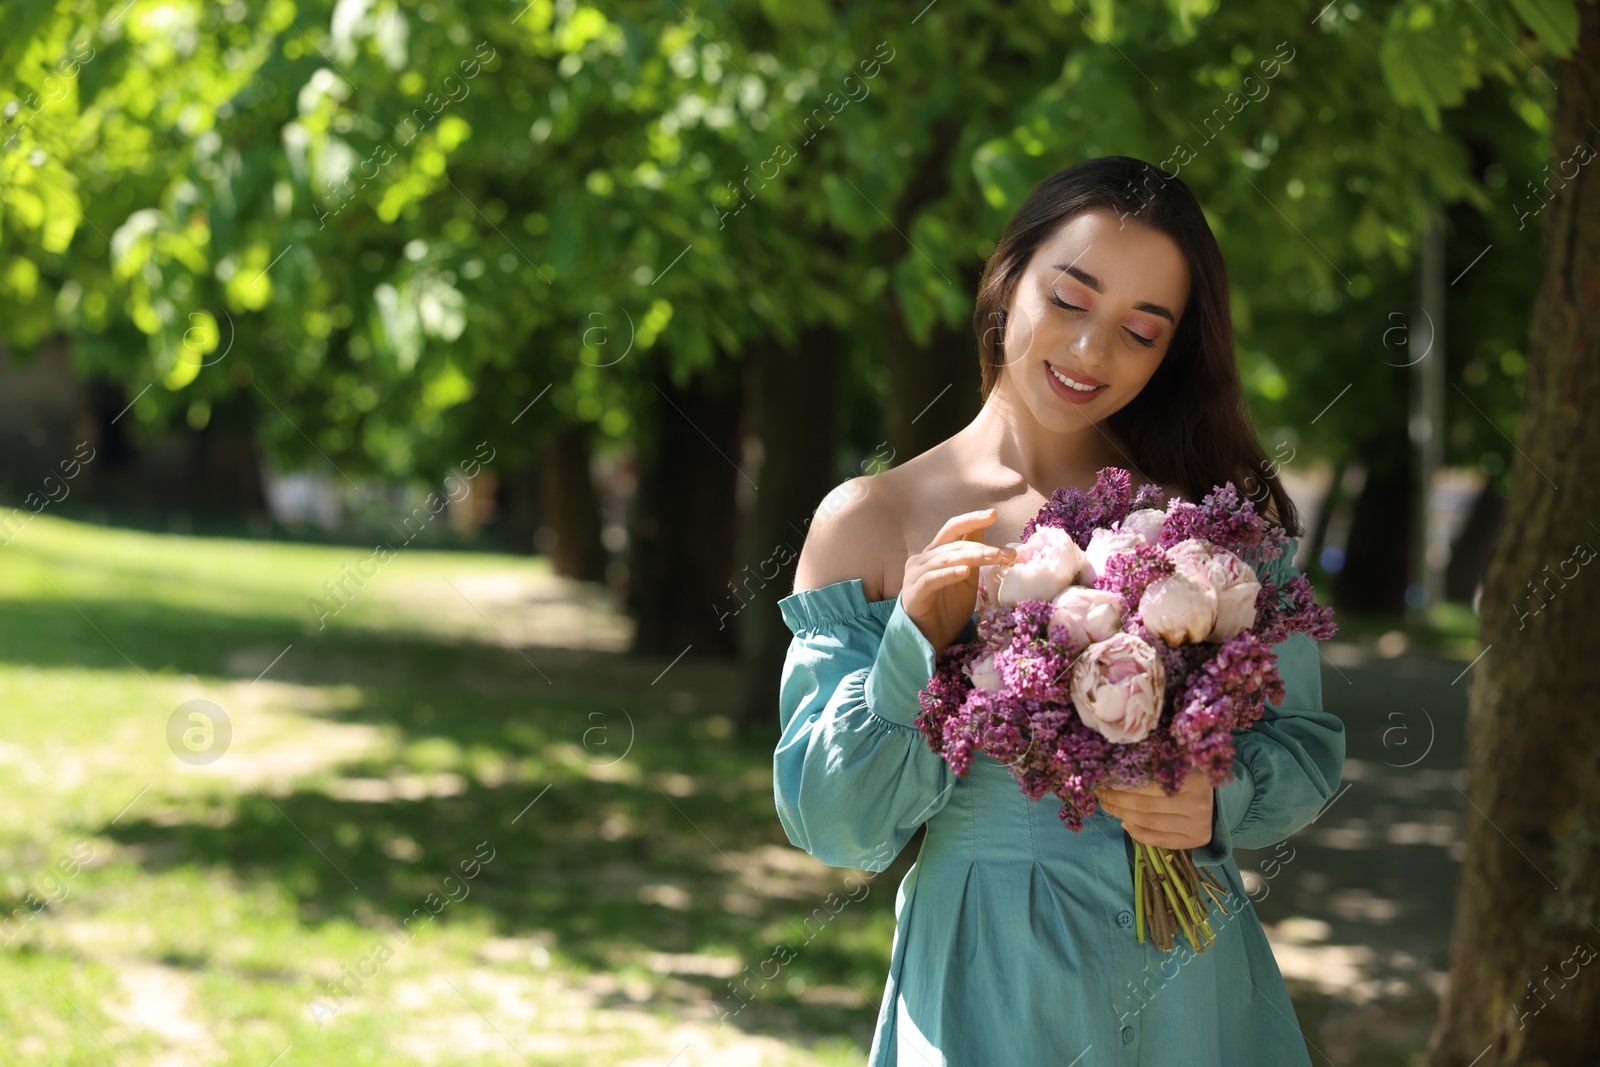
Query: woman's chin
{"x": 1063, "y": 418}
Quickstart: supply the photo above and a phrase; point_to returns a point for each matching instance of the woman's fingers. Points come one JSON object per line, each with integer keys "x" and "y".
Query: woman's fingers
{"x": 943, "y": 576}
{"x": 957, "y": 526}
{"x": 1157, "y": 839}
{"x": 974, "y": 553}
{"x": 1145, "y": 809}
{"x": 1158, "y": 820}
{"x": 1125, "y": 800}
{"x": 1145, "y": 827}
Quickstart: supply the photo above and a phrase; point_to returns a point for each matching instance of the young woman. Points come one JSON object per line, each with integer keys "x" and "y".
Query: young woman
{"x": 1104, "y": 333}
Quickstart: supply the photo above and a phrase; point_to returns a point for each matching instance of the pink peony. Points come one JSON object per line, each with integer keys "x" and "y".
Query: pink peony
{"x": 1180, "y": 608}
{"x": 1063, "y": 716}
{"x": 1046, "y": 563}
{"x": 989, "y": 580}
{"x": 1084, "y": 616}
{"x": 984, "y": 674}
{"x": 1103, "y": 544}
{"x": 1117, "y": 686}
{"x": 1232, "y": 579}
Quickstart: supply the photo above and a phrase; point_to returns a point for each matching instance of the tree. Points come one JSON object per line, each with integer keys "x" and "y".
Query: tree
{"x": 1523, "y": 987}
{"x": 425, "y": 227}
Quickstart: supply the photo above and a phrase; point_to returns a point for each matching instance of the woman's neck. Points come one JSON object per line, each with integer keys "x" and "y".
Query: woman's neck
{"x": 1006, "y": 433}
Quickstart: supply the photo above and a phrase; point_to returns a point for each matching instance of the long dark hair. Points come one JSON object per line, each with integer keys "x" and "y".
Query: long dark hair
{"x": 1189, "y": 426}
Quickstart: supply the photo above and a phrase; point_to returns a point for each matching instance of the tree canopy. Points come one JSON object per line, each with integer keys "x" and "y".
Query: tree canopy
{"x": 381, "y": 229}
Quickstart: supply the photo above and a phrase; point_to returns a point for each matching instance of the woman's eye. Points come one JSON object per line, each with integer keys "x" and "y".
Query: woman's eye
{"x": 1058, "y": 301}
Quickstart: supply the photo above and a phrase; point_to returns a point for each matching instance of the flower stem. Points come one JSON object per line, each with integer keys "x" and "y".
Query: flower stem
{"x": 1179, "y": 912}
{"x": 1181, "y": 875}
{"x": 1215, "y": 899}
{"x": 1138, "y": 891}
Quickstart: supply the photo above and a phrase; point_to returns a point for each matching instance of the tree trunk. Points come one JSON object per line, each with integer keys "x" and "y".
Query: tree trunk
{"x": 1317, "y": 537}
{"x": 933, "y": 387}
{"x": 795, "y": 416}
{"x": 1469, "y": 555}
{"x": 685, "y": 519}
{"x": 519, "y": 505}
{"x": 1374, "y": 577}
{"x": 571, "y": 508}
{"x": 1524, "y": 979}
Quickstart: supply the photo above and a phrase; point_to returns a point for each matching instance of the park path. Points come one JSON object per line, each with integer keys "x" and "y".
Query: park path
{"x": 1358, "y": 905}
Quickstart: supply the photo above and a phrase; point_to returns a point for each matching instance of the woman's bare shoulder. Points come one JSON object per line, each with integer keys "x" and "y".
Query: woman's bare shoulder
{"x": 853, "y": 534}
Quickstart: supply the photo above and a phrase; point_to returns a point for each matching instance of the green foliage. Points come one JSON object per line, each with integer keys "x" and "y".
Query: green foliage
{"x": 393, "y": 226}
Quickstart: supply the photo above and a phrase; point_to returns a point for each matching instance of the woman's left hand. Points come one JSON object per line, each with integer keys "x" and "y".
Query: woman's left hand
{"x": 1153, "y": 817}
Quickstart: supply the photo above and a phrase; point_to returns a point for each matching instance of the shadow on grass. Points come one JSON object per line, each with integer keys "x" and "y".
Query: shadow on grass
{"x": 625, "y": 825}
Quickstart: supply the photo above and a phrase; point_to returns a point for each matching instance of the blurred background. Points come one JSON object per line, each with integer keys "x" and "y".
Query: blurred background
{"x": 410, "y": 413}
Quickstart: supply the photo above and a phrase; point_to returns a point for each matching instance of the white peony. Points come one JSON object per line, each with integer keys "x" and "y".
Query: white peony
{"x": 1146, "y": 522}
{"x": 1047, "y": 562}
{"x": 1118, "y": 686}
{"x": 1234, "y": 582}
{"x": 1179, "y": 608}
{"x": 1084, "y": 616}
{"x": 989, "y": 580}
{"x": 1103, "y": 544}
{"x": 984, "y": 674}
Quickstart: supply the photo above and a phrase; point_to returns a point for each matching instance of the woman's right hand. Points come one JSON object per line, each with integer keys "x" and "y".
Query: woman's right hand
{"x": 940, "y": 588}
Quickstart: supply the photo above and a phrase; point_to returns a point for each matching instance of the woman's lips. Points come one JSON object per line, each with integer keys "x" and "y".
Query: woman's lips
{"x": 1067, "y": 392}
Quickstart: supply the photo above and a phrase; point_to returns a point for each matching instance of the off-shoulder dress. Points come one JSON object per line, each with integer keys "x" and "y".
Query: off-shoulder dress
{"x": 1014, "y": 940}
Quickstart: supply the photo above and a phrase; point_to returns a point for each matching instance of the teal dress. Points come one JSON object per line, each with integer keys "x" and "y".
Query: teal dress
{"x": 1014, "y": 939}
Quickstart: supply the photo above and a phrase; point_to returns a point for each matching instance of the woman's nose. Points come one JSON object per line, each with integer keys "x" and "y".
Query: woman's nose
{"x": 1088, "y": 347}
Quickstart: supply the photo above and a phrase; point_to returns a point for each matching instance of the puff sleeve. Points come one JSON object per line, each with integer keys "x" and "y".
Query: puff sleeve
{"x": 853, "y": 778}
{"x": 1289, "y": 762}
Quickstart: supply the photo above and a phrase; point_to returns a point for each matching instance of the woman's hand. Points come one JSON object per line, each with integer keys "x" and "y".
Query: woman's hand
{"x": 1153, "y": 817}
{"x": 940, "y": 588}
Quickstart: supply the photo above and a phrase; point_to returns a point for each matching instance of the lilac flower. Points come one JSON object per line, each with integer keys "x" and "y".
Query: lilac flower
{"x": 1129, "y": 573}
{"x": 1107, "y": 502}
{"x": 1208, "y": 691}
{"x": 1227, "y": 520}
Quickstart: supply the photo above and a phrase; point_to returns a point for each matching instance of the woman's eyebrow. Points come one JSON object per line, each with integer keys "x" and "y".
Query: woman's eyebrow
{"x": 1094, "y": 283}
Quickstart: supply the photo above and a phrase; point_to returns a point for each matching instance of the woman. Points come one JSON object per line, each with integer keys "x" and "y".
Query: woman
{"x": 1104, "y": 334}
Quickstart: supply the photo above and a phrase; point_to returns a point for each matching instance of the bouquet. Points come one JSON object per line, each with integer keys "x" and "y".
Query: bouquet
{"x": 1122, "y": 646}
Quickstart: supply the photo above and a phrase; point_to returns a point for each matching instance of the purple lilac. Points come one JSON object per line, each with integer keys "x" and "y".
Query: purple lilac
{"x": 1212, "y": 690}
{"x": 1128, "y": 573}
{"x": 1108, "y": 502}
{"x": 1225, "y": 519}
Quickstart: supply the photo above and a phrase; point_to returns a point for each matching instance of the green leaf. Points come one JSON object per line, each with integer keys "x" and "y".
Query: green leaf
{"x": 1420, "y": 62}
{"x": 1555, "y": 22}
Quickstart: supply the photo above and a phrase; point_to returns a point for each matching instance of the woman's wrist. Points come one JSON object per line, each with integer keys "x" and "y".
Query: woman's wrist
{"x": 904, "y": 663}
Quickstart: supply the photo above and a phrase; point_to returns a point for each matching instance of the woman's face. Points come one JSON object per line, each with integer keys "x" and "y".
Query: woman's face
{"x": 1098, "y": 304}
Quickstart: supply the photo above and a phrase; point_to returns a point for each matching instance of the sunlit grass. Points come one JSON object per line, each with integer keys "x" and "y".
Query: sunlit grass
{"x": 233, "y": 912}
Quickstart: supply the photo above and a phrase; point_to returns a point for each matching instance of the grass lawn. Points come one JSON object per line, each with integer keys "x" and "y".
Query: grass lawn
{"x": 454, "y": 825}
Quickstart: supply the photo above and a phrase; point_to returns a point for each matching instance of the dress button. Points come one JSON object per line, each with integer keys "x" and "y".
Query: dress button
{"x": 1127, "y": 1035}
{"x": 1124, "y": 918}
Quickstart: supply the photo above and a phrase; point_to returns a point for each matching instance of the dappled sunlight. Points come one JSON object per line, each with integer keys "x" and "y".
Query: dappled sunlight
{"x": 582, "y": 849}
{"x": 628, "y": 861}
